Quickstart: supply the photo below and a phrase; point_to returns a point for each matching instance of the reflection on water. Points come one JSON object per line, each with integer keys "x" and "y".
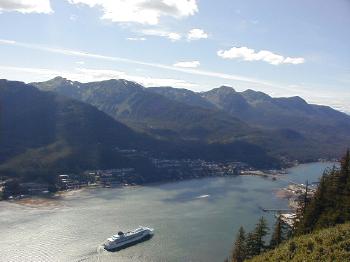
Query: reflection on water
{"x": 194, "y": 220}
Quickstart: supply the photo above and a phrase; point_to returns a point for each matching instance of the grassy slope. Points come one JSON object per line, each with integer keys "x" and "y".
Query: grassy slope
{"x": 331, "y": 244}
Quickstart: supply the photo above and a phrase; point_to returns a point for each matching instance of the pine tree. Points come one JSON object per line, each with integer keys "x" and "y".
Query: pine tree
{"x": 345, "y": 164}
{"x": 239, "y": 248}
{"x": 331, "y": 202}
{"x": 345, "y": 168}
{"x": 278, "y": 234}
{"x": 255, "y": 243}
{"x": 306, "y": 218}
{"x": 250, "y": 245}
{"x": 260, "y": 232}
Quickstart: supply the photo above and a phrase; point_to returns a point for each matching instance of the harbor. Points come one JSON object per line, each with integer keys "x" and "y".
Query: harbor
{"x": 206, "y": 211}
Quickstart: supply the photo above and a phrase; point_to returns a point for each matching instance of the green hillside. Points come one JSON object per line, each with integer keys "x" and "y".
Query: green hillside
{"x": 43, "y": 134}
{"x": 285, "y": 128}
{"x": 331, "y": 244}
{"x": 321, "y": 231}
{"x": 152, "y": 113}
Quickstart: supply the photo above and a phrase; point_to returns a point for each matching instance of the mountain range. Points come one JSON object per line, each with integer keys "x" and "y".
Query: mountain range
{"x": 43, "y": 133}
{"x": 284, "y": 127}
{"x": 67, "y": 126}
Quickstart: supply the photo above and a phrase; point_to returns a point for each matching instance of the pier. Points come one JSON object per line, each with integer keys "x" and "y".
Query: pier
{"x": 277, "y": 210}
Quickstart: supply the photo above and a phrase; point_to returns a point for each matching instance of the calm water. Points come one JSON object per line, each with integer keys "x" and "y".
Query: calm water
{"x": 194, "y": 220}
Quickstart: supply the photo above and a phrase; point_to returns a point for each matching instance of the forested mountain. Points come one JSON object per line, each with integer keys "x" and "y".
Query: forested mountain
{"x": 295, "y": 113}
{"x": 183, "y": 95}
{"x": 292, "y": 118}
{"x": 259, "y": 109}
{"x": 152, "y": 113}
{"x": 287, "y": 128}
{"x": 43, "y": 133}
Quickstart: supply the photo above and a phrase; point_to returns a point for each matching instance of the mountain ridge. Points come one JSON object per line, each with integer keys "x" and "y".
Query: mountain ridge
{"x": 286, "y": 127}
{"x": 43, "y": 134}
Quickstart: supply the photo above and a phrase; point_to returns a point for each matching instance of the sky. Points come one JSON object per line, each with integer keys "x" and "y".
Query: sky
{"x": 283, "y": 48}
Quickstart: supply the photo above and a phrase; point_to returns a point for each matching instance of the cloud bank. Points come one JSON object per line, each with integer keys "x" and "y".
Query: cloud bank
{"x": 141, "y": 11}
{"x": 248, "y": 54}
{"x": 26, "y": 6}
{"x": 196, "y": 34}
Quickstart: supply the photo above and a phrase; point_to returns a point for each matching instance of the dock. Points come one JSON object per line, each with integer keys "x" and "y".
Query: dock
{"x": 277, "y": 210}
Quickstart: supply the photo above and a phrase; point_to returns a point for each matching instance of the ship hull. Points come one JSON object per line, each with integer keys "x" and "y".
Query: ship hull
{"x": 119, "y": 246}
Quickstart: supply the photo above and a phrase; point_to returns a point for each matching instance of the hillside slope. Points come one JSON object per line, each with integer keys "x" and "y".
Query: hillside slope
{"x": 42, "y": 132}
{"x": 286, "y": 128}
{"x": 153, "y": 113}
{"x": 298, "y": 127}
{"x": 331, "y": 244}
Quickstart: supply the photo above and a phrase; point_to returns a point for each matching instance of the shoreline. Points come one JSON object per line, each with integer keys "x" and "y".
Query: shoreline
{"x": 53, "y": 199}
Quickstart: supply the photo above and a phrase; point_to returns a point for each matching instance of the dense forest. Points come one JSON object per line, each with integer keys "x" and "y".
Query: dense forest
{"x": 315, "y": 235}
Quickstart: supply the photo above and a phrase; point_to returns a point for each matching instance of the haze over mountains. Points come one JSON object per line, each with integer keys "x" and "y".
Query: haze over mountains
{"x": 287, "y": 127}
{"x": 45, "y": 133}
{"x": 67, "y": 126}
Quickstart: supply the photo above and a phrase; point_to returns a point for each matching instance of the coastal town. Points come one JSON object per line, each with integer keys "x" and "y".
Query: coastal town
{"x": 169, "y": 169}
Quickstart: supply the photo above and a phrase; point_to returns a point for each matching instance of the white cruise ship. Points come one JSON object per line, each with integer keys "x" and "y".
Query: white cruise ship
{"x": 129, "y": 238}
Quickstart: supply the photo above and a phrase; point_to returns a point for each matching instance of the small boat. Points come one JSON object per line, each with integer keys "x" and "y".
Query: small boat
{"x": 122, "y": 240}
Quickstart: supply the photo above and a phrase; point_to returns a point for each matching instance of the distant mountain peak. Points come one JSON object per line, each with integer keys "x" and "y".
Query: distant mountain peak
{"x": 226, "y": 89}
{"x": 298, "y": 99}
{"x": 60, "y": 80}
{"x": 222, "y": 91}
{"x": 250, "y": 94}
{"x": 119, "y": 83}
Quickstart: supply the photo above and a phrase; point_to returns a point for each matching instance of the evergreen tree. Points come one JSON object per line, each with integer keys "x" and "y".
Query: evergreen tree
{"x": 345, "y": 180}
{"x": 255, "y": 243}
{"x": 331, "y": 202}
{"x": 260, "y": 232}
{"x": 250, "y": 245}
{"x": 239, "y": 247}
{"x": 278, "y": 234}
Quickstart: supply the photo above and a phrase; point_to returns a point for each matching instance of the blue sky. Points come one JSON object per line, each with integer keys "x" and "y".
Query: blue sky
{"x": 283, "y": 48}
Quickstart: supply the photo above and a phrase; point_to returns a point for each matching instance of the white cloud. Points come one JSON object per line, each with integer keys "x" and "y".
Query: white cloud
{"x": 174, "y": 36}
{"x": 187, "y": 64}
{"x": 192, "y": 71}
{"x": 141, "y": 11}
{"x": 248, "y": 54}
{"x": 80, "y": 62}
{"x": 196, "y": 34}
{"x": 88, "y": 74}
{"x": 295, "y": 61}
{"x": 136, "y": 38}
{"x": 26, "y": 6}
{"x": 155, "y": 32}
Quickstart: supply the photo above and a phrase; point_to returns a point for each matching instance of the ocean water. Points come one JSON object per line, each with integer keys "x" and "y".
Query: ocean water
{"x": 194, "y": 220}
